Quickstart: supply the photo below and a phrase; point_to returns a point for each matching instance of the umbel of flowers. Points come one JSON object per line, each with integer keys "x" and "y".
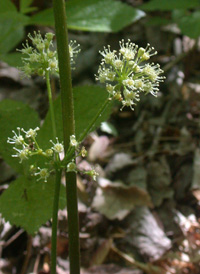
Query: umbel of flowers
{"x": 25, "y": 145}
{"x": 126, "y": 74}
{"x": 40, "y": 56}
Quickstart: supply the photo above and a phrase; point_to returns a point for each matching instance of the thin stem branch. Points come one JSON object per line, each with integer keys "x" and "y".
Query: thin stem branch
{"x": 55, "y": 220}
{"x": 90, "y": 126}
{"x": 53, "y": 121}
{"x": 68, "y": 129}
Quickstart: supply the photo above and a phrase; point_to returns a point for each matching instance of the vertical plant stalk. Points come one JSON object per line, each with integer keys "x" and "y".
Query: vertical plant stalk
{"x": 57, "y": 183}
{"x": 53, "y": 121}
{"x": 55, "y": 221}
{"x": 68, "y": 130}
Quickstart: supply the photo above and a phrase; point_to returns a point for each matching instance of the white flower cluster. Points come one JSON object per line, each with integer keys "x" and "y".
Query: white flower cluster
{"x": 39, "y": 58}
{"x": 25, "y": 149}
{"x": 126, "y": 75}
{"x": 26, "y": 145}
{"x": 71, "y": 165}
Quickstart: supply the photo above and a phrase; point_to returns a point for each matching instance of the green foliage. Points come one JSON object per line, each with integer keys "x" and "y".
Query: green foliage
{"x": 93, "y": 15}
{"x": 87, "y": 15}
{"x": 14, "y": 114}
{"x": 6, "y": 6}
{"x": 189, "y": 24}
{"x": 13, "y": 59}
{"x": 188, "y": 21}
{"x": 170, "y": 5}
{"x": 25, "y": 6}
{"x": 28, "y": 203}
{"x": 87, "y": 102}
{"x": 11, "y": 30}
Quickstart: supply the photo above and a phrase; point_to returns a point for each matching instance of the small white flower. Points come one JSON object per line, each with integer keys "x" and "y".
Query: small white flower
{"x": 128, "y": 50}
{"x": 31, "y": 133}
{"x": 73, "y": 50}
{"x": 118, "y": 64}
{"x": 92, "y": 173}
{"x": 71, "y": 167}
{"x": 73, "y": 141}
{"x": 43, "y": 173}
{"x": 49, "y": 152}
{"x": 17, "y": 139}
{"x": 57, "y": 147}
{"x": 22, "y": 154}
{"x": 145, "y": 54}
{"x": 129, "y": 83}
{"x": 127, "y": 103}
{"x": 129, "y": 94}
{"x": 109, "y": 56}
{"x": 151, "y": 88}
{"x": 83, "y": 152}
{"x": 110, "y": 89}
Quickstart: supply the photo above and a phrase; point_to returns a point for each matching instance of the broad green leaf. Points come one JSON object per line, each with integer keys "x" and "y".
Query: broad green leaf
{"x": 93, "y": 15}
{"x": 6, "y": 6}
{"x": 28, "y": 203}
{"x": 13, "y": 59}
{"x": 170, "y": 4}
{"x": 14, "y": 114}
{"x": 25, "y": 6}
{"x": 190, "y": 24}
{"x": 158, "y": 21}
{"x": 87, "y": 102}
{"x": 11, "y": 30}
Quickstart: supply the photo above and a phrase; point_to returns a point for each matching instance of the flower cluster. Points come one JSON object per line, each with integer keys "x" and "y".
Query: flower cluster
{"x": 40, "y": 58}
{"x": 80, "y": 151}
{"x": 26, "y": 146}
{"x": 126, "y": 75}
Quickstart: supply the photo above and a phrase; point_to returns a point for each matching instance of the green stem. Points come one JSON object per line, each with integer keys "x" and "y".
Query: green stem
{"x": 55, "y": 220}
{"x": 70, "y": 153}
{"x": 68, "y": 129}
{"x": 53, "y": 120}
{"x": 90, "y": 126}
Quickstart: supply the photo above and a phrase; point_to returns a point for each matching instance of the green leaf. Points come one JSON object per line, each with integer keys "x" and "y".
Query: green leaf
{"x": 28, "y": 203}
{"x": 14, "y": 114}
{"x": 170, "y": 4}
{"x": 25, "y": 6}
{"x": 7, "y": 5}
{"x": 11, "y": 30}
{"x": 93, "y": 15}
{"x": 158, "y": 21}
{"x": 13, "y": 59}
{"x": 190, "y": 24}
{"x": 87, "y": 102}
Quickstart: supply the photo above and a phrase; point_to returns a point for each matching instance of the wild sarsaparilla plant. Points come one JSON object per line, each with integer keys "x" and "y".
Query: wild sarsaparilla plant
{"x": 126, "y": 74}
